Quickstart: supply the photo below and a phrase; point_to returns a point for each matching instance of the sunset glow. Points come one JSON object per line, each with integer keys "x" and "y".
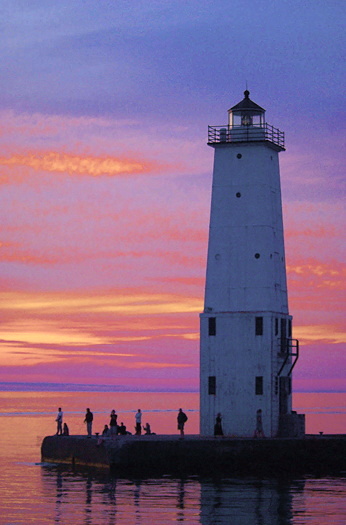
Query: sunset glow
{"x": 105, "y": 184}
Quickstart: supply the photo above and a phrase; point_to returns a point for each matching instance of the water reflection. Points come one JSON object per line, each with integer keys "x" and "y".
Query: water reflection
{"x": 91, "y": 499}
{"x": 41, "y": 495}
{"x": 59, "y": 496}
{"x": 259, "y": 502}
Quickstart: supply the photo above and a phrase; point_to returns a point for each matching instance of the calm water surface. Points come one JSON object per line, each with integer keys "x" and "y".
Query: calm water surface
{"x": 40, "y": 494}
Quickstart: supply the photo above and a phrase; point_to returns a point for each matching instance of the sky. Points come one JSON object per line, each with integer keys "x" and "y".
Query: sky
{"x": 105, "y": 180}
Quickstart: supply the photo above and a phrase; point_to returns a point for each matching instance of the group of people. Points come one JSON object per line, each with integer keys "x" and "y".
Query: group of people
{"x": 113, "y": 429}
{"x": 62, "y": 428}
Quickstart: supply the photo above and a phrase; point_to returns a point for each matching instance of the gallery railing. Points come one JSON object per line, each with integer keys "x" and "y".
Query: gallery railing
{"x": 260, "y": 133}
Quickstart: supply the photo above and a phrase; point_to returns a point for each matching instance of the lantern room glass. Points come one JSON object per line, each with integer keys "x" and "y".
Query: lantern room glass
{"x": 243, "y": 118}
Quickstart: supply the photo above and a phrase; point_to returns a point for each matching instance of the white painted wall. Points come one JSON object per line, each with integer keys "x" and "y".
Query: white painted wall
{"x": 241, "y": 287}
{"x": 242, "y": 226}
{"x": 236, "y": 356}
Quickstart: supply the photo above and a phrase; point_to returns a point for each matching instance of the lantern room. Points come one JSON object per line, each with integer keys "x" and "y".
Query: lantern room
{"x": 246, "y": 113}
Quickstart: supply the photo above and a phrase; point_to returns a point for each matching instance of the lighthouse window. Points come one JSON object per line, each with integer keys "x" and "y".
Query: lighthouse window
{"x": 257, "y": 256}
{"x": 259, "y": 325}
{"x": 259, "y": 386}
{"x": 239, "y": 156}
{"x": 276, "y": 326}
{"x": 238, "y": 195}
{"x": 212, "y": 385}
{"x": 212, "y": 325}
{"x": 283, "y": 337}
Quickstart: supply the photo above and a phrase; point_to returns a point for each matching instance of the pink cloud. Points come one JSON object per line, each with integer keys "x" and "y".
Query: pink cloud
{"x": 114, "y": 140}
{"x": 34, "y": 125}
{"x": 313, "y": 272}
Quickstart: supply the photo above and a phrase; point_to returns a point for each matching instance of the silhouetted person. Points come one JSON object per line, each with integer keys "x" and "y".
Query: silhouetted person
{"x": 259, "y": 426}
{"x": 138, "y": 418}
{"x": 182, "y": 418}
{"x": 218, "y": 425}
{"x": 59, "y": 422}
{"x": 122, "y": 429}
{"x": 113, "y": 423}
{"x": 66, "y": 431}
{"x": 147, "y": 429}
{"x": 89, "y": 421}
{"x": 105, "y": 431}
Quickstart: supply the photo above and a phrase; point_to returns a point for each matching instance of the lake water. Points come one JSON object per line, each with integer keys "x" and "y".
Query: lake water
{"x": 46, "y": 494}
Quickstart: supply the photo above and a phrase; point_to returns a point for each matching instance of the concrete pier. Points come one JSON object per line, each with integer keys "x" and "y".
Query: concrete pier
{"x": 196, "y": 455}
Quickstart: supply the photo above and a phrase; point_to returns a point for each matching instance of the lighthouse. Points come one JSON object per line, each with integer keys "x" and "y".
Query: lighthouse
{"x": 247, "y": 353}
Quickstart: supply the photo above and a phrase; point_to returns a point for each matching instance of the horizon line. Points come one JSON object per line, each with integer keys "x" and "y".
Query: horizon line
{"x": 17, "y": 386}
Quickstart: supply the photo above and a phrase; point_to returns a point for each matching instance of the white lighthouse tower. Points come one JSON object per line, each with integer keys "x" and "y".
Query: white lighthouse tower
{"x": 247, "y": 350}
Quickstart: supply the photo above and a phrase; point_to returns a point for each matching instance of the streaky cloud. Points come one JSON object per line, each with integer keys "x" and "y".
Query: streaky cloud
{"x": 89, "y": 165}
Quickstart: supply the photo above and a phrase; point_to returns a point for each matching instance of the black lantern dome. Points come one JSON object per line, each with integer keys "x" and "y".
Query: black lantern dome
{"x": 246, "y": 113}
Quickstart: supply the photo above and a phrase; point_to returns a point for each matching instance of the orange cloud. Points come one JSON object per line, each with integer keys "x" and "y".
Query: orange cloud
{"x": 320, "y": 334}
{"x": 116, "y": 301}
{"x": 90, "y": 165}
{"x": 321, "y": 275}
{"x": 49, "y": 350}
{"x": 40, "y": 327}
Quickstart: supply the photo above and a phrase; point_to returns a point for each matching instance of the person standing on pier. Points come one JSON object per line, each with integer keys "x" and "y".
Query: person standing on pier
{"x": 138, "y": 418}
{"x": 182, "y": 418}
{"x": 259, "y": 426}
{"x": 59, "y": 422}
{"x": 218, "y": 425}
{"x": 113, "y": 423}
{"x": 89, "y": 421}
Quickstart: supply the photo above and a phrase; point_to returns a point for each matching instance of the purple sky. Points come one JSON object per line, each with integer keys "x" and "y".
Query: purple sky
{"x": 105, "y": 179}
